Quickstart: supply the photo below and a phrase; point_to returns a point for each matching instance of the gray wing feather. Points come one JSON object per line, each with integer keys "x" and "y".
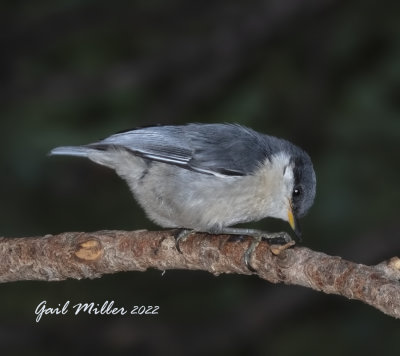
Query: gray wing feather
{"x": 226, "y": 149}
{"x": 164, "y": 143}
{"x": 223, "y": 149}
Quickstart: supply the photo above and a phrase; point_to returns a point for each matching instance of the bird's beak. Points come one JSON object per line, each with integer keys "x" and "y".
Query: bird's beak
{"x": 294, "y": 223}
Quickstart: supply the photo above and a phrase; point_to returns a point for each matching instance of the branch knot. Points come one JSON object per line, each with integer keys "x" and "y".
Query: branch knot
{"x": 89, "y": 250}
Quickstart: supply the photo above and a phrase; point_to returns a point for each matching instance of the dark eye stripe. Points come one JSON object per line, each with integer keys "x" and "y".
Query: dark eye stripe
{"x": 296, "y": 192}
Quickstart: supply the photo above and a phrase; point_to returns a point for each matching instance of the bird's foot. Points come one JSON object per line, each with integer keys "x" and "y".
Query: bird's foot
{"x": 180, "y": 236}
{"x": 277, "y": 239}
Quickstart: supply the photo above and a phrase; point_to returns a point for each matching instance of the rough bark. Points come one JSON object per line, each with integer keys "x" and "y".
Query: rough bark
{"x": 90, "y": 255}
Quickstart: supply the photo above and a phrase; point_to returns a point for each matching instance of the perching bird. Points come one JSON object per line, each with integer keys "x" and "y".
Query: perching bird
{"x": 208, "y": 177}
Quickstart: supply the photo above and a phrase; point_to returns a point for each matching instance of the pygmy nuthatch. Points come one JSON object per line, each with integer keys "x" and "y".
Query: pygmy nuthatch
{"x": 208, "y": 177}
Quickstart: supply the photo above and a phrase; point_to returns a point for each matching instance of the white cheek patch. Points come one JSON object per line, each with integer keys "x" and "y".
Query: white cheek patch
{"x": 283, "y": 160}
{"x": 288, "y": 182}
{"x": 282, "y": 164}
{"x": 274, "y": 182}
{"x": 288, "y": 173}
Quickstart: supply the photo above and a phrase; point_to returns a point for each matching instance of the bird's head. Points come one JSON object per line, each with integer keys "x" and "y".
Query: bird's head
{"x": 291, "y": 183}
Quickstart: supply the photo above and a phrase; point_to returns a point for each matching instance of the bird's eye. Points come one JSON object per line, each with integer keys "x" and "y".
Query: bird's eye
{"x": 296, "y": 192}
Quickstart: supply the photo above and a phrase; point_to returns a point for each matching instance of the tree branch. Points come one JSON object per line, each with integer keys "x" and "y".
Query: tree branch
{"x": 90, "y": 255}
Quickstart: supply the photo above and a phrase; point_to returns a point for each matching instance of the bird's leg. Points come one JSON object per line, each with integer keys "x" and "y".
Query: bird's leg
{"x": 258, "y": 236}
{"x": 181, "y": 235}
{"x": 271, "y": 238}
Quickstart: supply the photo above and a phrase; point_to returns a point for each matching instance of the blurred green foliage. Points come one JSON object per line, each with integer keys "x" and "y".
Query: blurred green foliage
{"x": 324, "y": 74}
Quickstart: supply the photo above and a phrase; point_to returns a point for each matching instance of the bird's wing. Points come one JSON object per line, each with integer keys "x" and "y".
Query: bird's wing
{"x": 160, "y": 143}
{"x": 218, "y": 149}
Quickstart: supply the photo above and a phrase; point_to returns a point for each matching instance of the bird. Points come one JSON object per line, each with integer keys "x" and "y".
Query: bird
{"x": 208, "y": 177}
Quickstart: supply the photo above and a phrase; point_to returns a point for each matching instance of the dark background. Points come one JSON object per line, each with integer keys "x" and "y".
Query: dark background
{"x": 323, "y": 74}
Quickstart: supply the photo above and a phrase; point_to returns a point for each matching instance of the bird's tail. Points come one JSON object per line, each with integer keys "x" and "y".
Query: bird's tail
{"x": 99, "y": 156}
{"x": 79, "y": 151}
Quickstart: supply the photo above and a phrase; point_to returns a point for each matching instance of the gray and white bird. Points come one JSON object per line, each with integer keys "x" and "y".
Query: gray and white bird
{"x": 208, "y": 177}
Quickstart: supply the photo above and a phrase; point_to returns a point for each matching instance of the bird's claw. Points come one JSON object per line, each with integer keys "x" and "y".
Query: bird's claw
{"x": 249, "y": 253}
{"x": 181, "y": 235}
{"x": 278, "y": 239}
